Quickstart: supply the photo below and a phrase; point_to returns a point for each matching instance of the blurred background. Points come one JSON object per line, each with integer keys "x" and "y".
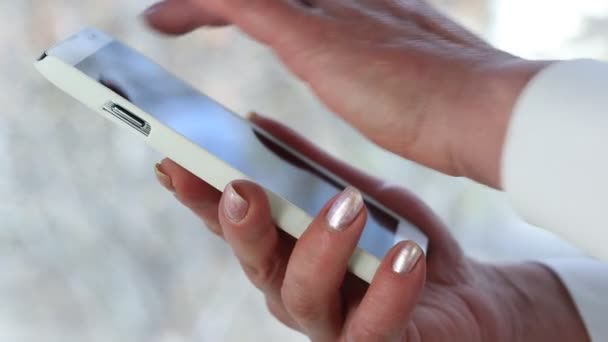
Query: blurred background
{"x": 92, "y": 249}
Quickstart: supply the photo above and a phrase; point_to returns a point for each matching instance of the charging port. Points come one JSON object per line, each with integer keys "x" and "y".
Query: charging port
{"x": 127, "y": 117}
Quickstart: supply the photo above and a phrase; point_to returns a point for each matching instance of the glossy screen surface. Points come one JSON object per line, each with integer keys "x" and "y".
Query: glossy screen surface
{"x": 226, "y": 135}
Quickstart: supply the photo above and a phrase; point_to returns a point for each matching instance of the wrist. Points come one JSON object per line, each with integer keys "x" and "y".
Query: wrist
{"x": 500, "y": 84}
{"x": 539, "y": 305}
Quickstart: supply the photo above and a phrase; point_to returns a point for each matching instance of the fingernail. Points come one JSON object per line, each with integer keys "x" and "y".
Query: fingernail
{"x": 163, "y": 178}
{"x": 235, "y": 206}
{"x": 345, "y": 209}
{"x": 407, "y": 258}
{"x": 251, "y": 116}
{"x": 152, "y": 9}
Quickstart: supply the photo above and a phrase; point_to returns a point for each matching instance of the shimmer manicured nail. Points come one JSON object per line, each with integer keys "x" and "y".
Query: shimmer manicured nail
{"x": 345, "y": 209}
{"x": 407, "y": 258}
{"x": 235, "y": 206}
{"x": 163, "y": 178}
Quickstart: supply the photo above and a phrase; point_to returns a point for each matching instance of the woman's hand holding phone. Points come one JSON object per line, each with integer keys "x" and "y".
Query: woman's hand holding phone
{"x": 409, "y": 79}
{"x": 444, "y": 297}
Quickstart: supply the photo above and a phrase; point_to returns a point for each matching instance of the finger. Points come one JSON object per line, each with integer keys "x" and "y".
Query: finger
{"x": 385, "y": 310}
{"x": 204, "y": 200}
{"x": 200, "y": 197}
{"x": 263, "y": 252}
{"x": 298, "y": 25}
{"x": 318, "y": 264}
{"x": 443, "y": 247}
{"x": 178, "y": 17}
{"x": 301, "y": 34}
{"x": 248, "y": 227}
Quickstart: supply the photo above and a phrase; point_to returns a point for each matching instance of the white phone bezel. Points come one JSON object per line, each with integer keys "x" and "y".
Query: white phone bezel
{"x": 58, "y": 66}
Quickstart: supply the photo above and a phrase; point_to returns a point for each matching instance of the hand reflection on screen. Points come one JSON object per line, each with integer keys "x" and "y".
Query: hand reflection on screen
{"x": 378, "y": 214}
{"x": 113, "y": 86}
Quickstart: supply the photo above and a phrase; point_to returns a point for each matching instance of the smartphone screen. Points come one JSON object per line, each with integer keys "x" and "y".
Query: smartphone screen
{"x": 231, "y": 138}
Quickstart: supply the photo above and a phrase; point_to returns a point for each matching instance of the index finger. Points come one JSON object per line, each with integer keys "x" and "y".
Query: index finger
{"x": 176, "y": 17}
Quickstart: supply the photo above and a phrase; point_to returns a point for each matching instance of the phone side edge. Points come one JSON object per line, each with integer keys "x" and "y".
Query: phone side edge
{"x": 80, "y": 45}
{"x": 289, "y": 217}
{"x": 292, "y": 219}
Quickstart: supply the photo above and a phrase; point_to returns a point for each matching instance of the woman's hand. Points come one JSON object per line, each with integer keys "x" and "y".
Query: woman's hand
{"x": 407, "y": 77}
{"x": 444, "y": 297}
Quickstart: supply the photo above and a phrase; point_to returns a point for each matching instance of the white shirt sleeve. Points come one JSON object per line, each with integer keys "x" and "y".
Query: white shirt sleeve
{"x": 587, "y": 283}
{"x": 555, "y": 171}
{"x": 555, "y": 158}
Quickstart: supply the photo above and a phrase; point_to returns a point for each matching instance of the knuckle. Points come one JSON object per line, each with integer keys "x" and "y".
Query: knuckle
{"x": 300, "y": 304}
{"x": 278, "y": 311}
{"x": 266, "y": 275}
{"x": 257, "y": 234}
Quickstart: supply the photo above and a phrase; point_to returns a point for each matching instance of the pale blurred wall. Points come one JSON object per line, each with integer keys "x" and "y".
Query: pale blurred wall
{"x": 91, "y": 249}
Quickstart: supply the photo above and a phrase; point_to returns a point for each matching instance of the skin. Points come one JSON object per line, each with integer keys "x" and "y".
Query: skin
{"x": 416, "y": 84}
{"x": 446, "y": 297}
{"x": 408, "y": 78}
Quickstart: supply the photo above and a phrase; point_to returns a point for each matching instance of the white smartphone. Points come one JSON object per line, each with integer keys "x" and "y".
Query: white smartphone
{"x": 209, "y": 140}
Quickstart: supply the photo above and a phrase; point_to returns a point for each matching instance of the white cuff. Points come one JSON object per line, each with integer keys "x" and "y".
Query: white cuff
{"x": 587, "y": 282}
{"x": 555, "y": 159}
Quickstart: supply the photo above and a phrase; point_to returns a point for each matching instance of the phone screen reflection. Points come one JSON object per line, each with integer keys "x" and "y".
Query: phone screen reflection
{"x": 226, "y": 135}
